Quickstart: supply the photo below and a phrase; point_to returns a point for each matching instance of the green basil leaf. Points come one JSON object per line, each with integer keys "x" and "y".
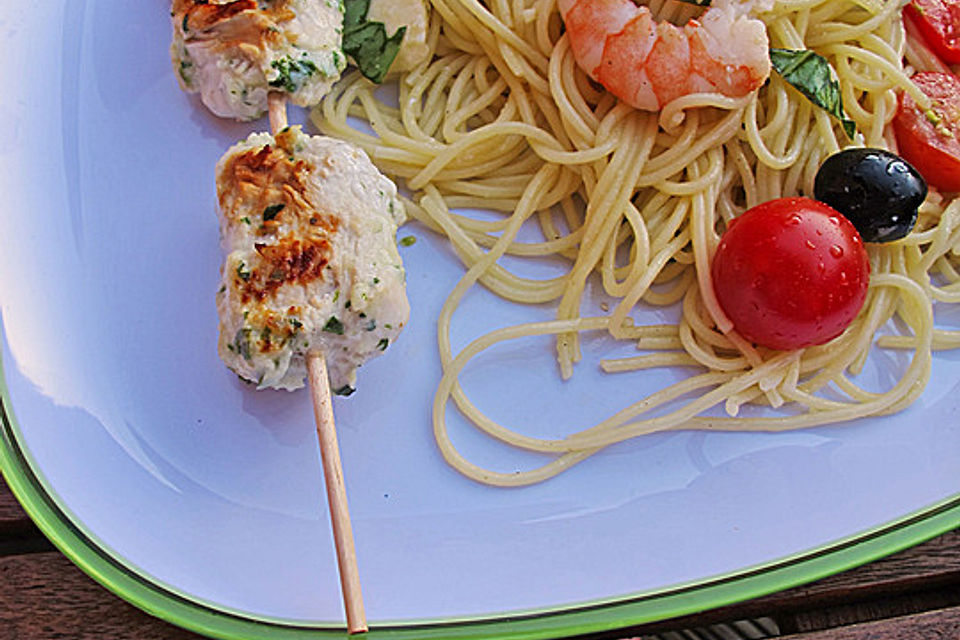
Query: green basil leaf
{"x": 355, "y": 13}
{"x": 809, "y": 73}
{"x": 367, "y": 42}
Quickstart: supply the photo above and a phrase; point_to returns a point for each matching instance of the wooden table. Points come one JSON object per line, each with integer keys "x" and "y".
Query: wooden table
{"x": 912, "y": 595}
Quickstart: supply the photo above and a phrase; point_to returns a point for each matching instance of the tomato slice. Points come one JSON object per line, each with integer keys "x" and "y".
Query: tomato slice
{"x": 939, "y": 23}
{"x": 790, "y": 273}
{"x": 930, "y": 140}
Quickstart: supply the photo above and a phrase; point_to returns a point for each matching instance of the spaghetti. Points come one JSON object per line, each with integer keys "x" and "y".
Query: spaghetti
{"x": 500, "y": 118}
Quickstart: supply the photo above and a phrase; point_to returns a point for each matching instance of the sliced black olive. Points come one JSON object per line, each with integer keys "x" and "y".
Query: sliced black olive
{"x": 876, "y": 190}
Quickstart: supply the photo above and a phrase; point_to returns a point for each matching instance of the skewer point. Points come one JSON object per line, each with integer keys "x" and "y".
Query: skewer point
{"x": 336, "y": 493}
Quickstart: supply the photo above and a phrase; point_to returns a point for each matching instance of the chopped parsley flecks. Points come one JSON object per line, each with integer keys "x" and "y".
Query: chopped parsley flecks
{"x": 241, "y": 342}
{"x": 345, "y": 390}
{"x": 334, "y": 326}
{"x": 186, "y": 72}
{"x": 383, "y": 344}
{"x": 291, "y": 74}
{"x": 408, "y": 241}
{"x": 271, "y": 212}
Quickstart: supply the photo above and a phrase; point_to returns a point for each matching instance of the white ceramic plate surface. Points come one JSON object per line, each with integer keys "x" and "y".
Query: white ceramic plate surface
{"x": 196, "y": 483}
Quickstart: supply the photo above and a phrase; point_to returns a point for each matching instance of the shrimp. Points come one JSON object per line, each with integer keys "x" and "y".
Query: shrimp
{"x": 647, "y": 63}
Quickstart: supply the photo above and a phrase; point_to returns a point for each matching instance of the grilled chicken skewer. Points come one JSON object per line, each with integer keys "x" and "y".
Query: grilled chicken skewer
{"x": 312, "y": 279}
{"x": 312, "y": 285}
{"x": 235, "y": 52}
{"x": 308, "y": 227}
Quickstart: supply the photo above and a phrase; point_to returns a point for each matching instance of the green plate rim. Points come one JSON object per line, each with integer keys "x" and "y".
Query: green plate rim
{"x": 620, "y": 612}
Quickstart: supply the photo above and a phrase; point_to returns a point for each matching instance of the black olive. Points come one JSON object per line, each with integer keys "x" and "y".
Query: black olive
{"x": 876, "y": 190}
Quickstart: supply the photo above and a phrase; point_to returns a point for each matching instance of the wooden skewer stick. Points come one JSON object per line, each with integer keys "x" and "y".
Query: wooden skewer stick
{"x": 277, "y": 111}
{"x": 329, "y": 451}
{"x": 336, "y": 493}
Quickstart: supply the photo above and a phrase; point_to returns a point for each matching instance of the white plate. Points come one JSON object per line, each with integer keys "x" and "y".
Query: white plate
{"x": 211, "y": 492}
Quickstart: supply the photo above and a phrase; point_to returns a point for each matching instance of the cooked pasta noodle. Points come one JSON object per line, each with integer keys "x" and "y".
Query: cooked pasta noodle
{"x": 500, "y": 118}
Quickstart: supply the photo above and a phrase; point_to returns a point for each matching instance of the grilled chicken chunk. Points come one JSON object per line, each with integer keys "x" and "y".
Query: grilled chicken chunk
{"x": 308, "y": 226}
{"x": 235, "y": 51}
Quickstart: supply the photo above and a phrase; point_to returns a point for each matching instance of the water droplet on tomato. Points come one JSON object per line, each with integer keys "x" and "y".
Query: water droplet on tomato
{"x": 810, "y": 245}
{"x": 794, "y": 220}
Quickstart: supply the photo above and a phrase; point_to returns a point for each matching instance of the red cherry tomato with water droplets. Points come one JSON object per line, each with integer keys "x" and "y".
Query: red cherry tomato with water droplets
{"x": 791, "y": 273}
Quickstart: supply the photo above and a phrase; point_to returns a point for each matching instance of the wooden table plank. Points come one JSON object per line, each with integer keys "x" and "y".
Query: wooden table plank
{"x": 943, "y": 624}
{"x": 18, "y": 534}
{"x": 12, "y": 517}
{"x": 934, "y": 563}
{"x": 45, "y": 596}
{"x": 895, "y": 585}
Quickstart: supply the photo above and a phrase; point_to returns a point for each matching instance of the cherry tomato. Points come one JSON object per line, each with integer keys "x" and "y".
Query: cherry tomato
{"x": 938, "y": 21}
{"x": 930, "y": 141}
{"x": 791, "y": 273}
